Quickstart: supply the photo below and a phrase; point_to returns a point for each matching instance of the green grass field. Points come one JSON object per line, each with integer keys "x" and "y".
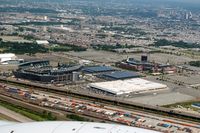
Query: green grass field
{"x": 27, "y": 112}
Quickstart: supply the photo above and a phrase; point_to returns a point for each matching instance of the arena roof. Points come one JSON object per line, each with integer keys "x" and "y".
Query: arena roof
{"x": 97, "y": 69}
{"x": 121, "y": 75}
{"x": 119, "y": 87}
{"x": 70, "y": 127}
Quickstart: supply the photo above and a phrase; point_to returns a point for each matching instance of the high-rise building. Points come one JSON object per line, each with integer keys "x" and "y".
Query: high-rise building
{"x": 186, "y": 16}
{"x": 190, "y": 15}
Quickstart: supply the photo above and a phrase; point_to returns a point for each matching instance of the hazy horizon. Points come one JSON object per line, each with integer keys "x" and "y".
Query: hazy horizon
{"x": 187, "y": 4}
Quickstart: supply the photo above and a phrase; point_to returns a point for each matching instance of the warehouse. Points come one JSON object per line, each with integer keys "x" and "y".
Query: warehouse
{"x": 136, "y": 85}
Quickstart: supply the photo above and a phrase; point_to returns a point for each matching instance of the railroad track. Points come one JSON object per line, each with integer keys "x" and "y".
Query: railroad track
{"x": 110, "y": 101}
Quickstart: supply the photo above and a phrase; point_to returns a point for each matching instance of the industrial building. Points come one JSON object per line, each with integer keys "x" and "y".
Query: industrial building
{"x": 135, "y": 85}
{"x": 42, "y": 71}
{"x": 9, "y": 58}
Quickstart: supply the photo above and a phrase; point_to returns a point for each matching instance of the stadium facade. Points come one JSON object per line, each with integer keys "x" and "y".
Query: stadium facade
{"x": 42, "y": 71}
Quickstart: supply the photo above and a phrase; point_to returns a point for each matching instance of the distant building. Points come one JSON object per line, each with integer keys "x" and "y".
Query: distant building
{"x": 190, "y": 15}
{"x": 145, "y": 65}
{"x": 186, "y": 16}
{"x": 45, "y": 18}
{"x": 9, "y": 58}
{"x": 42, "y": 42}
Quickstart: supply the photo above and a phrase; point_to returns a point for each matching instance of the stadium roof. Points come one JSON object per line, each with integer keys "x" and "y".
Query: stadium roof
{"x": 121, "y": 75}
{"x": 97, "y": 69}
{"x": 39, "y": 62}
{"x": 69, "y": 127}
{"x": 196, "y": 105}
{"x": 119, "y": 87}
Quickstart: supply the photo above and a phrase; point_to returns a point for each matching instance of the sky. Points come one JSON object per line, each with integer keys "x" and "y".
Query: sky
{"x": 171, "y": 2}
{"x": 175, "y": 1}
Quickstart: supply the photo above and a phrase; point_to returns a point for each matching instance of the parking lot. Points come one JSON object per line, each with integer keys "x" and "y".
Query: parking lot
{"x": 111, "y": 57}
{"x": 162, "y": 99}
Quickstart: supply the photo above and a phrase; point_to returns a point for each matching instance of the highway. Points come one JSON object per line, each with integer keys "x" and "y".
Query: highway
{"x": 101, "y": 111}
{"x": 11, "y": 115}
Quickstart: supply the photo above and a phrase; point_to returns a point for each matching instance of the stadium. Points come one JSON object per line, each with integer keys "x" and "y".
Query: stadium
{"x": 42, "y": 71}
{"x": 145, "y": 65}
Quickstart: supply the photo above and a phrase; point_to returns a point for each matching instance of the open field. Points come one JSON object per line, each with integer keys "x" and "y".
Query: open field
{"x": 175, "y": 92}
{"x": 189, "y": 79}
{"x": 20, "y": 114}
{"x": 14, "y": 39}
{"x": 5, "y": 68}
{"x": 105, "y": 57}
{"x": 111, "y": 57}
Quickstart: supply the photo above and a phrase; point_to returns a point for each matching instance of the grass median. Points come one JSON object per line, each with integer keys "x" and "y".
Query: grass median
{"x": 27, "y": 112}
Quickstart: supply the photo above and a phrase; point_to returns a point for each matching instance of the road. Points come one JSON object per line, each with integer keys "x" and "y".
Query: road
{"x": 13, "y": 115}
